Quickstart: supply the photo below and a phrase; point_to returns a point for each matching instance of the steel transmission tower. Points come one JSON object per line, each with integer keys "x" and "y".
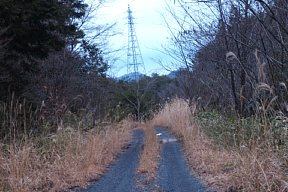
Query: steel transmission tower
{"x": 134, "y": 56}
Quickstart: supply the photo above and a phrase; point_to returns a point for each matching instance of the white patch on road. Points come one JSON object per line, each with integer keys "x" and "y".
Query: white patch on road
{"x": 168, "y": 140}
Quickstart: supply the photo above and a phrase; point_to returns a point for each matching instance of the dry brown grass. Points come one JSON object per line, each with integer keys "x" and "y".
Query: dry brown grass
{"x": 149, "y": 157}
{"x": 66, "y": 159}
{"x": 238, "y": 170}
{"x": 261, "y": 170}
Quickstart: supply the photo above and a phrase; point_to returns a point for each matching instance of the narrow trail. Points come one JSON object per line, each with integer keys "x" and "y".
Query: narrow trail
{"x": 173, "y": 173}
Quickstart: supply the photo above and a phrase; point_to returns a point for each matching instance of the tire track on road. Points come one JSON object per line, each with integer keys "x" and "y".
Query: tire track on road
{"x": 121, "y": 176}
{"x": 174, "y": 173}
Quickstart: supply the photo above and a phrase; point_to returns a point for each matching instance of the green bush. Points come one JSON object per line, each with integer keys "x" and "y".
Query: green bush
{"x": 259, "y": 129}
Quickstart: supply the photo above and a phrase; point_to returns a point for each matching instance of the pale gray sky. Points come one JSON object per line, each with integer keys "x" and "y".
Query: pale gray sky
{"x": 150, "y": 28}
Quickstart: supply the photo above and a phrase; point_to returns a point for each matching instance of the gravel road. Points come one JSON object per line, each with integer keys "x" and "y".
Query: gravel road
{"x": 121, "y": 175}
{"x": 173, "y": 174}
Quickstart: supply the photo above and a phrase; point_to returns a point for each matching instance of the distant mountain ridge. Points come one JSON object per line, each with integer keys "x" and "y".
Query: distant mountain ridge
{"x": 131, "y": 76}
{"x": 138, "y": 76}
{"x": 172, "y": 74}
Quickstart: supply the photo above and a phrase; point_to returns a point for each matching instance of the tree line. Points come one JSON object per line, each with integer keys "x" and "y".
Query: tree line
{"x": 50, "y": 61}
{"x": 234, "y": 53}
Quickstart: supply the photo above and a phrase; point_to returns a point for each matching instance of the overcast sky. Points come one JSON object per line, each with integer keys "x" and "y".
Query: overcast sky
{"x": 150, "y": 28}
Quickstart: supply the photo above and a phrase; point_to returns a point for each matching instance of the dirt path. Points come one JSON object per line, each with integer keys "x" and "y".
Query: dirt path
{"x": 173, "y": 174}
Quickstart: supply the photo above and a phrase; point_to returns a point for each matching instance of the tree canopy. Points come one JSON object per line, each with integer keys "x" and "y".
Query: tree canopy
{"x": 32, "y": 30}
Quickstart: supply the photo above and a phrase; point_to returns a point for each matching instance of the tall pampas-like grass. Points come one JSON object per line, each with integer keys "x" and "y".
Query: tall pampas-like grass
{"x": 66, "y": 159}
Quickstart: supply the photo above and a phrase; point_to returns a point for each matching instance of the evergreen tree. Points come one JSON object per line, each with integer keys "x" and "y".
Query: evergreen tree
{"x": 33, "y": 29}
